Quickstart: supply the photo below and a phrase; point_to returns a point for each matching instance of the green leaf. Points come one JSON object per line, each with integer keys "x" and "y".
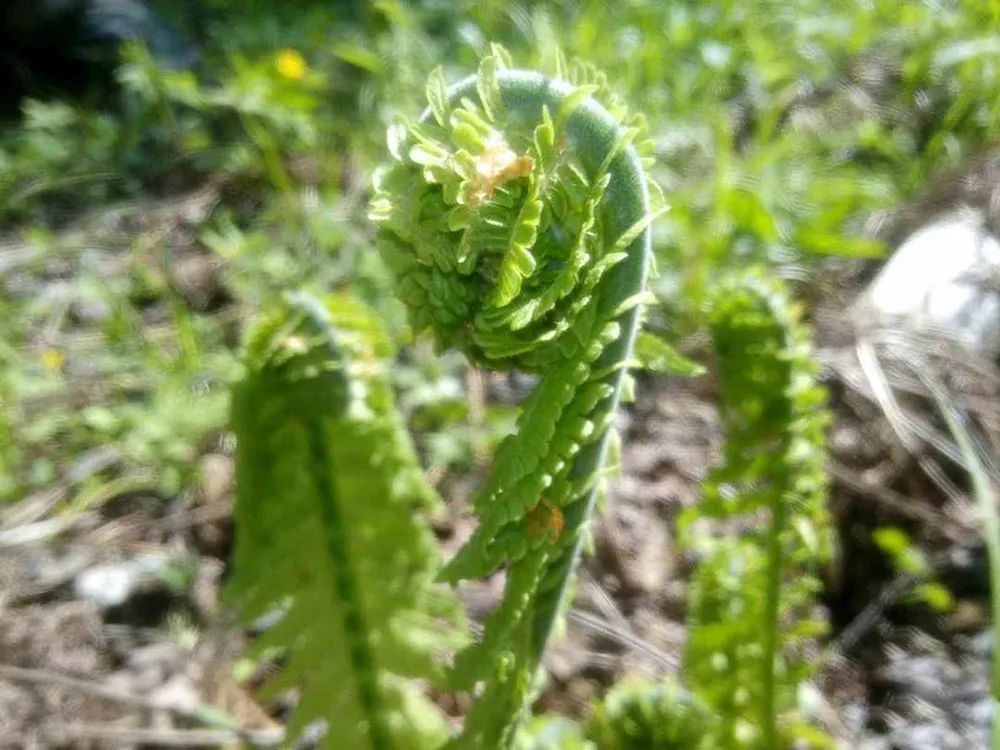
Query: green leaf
{"x": 332, "y": 533}
{"x": 359, "y": 56}
{"x": 654, "y": 354}
{"x": 936, "y": 596}
{"x": 488, "y": 87}
{"x": 828, "y": 243}
{"x": 437, "y": 96}
{"x": 896, "y": 543}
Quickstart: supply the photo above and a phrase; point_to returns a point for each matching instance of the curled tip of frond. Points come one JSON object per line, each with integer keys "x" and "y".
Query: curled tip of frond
{"x": 639, "y": 713}
{"x": 492, "y": 220}
{"x": 753, "y": 319}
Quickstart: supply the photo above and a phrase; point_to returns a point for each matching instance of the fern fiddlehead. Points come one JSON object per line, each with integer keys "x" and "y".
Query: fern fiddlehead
{"x": 638, "y": 714}
{"x": 774, "y": 417}
{"x": 329, "y": 533}
{"x": 515, "y": 215}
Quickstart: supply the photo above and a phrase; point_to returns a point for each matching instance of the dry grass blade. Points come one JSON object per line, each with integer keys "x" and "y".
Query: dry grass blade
{"x": 115, "y": 736}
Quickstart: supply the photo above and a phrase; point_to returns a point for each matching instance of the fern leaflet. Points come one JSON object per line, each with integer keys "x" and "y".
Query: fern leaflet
{"x": 330, "y": 531}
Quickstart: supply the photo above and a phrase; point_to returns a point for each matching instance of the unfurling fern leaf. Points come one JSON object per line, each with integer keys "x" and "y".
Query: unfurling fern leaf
{"x": 749, "y": 611}
{"x": 636, "y": 714}
{"x": 515, "y": 216}
{"x": 639, "y": 714}
{"x": 330, "y": 531}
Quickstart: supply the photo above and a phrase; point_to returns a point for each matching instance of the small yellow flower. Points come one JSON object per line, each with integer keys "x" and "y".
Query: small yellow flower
{"x": 291, "y": 65}
{"x": 53, "y": 360}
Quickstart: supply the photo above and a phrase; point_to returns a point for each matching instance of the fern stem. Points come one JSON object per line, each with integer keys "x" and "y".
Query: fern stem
{"x": 772, "y": 605}
{"x": 338, "y": 548}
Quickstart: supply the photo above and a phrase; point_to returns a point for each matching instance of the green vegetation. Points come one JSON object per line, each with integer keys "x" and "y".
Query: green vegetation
{"x": 778, "y": 130}
{"x": 639, "y": 714}
{"x": 330, "y": 530}
{"x": 516, "y": 223}
{"x": 750, "y": 609}
{"x": 521, "y": 237}
{"x": 137, "y": 237}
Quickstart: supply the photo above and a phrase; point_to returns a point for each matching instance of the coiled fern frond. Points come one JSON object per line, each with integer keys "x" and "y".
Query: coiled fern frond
{"x": 636, "y": 714}
{"x": 515, "y": 215}
{"x": 745, "y": 658}
{"x": 331, "y": 533}
{"x": 639, "y": 714}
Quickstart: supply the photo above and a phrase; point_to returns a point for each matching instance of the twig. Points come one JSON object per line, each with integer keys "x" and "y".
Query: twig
{"x": 195, "y": 517}
{"x": 982, "y": 488}
{"x": 34, "y": 507}
{"x": 908, "y": 429}
{"x": 119, "y": 736}
{"x": 201, "y": 713}
{"x": 636, "y": 643}
{"x": 40, "y": 531}
{"x": 606, "y": 604}
{"x": 95, "y": 689}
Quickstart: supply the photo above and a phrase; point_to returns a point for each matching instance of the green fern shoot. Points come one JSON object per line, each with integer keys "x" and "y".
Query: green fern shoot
{"x": 330, "y": 531}
{"x": 640, "y": 714}
{"x": 515, "y": 216}
{"x": 755, "y": 586}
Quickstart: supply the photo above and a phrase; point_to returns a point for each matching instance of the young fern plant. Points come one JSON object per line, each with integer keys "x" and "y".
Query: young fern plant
{"x": 331, "y": 534}
{"x": 749, "y": 610}
{"x": 515, "y": 216}
{"x": 636, "y": 714}
{"x": 640, "y": 714}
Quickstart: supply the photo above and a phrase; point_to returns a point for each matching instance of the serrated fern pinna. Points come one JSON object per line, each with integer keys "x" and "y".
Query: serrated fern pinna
{"x": 515, "y": 215}
{"x": 753, "y": 593}
{"x": 330, "y": 531}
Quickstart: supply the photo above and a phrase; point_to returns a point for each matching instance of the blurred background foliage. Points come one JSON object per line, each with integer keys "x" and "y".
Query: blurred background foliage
{"x": 143, "y": 222}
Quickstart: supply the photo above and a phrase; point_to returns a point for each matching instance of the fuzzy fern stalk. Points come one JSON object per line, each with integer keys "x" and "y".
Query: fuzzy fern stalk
{"x": 330, "y": 531}
{"x": 515, "y": 215}
{"x": 755, "y": 586}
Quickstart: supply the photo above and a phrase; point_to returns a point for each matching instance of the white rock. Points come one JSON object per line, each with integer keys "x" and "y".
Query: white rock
{"x": 112, "y": 584}
{"x": 945, "y": 277}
